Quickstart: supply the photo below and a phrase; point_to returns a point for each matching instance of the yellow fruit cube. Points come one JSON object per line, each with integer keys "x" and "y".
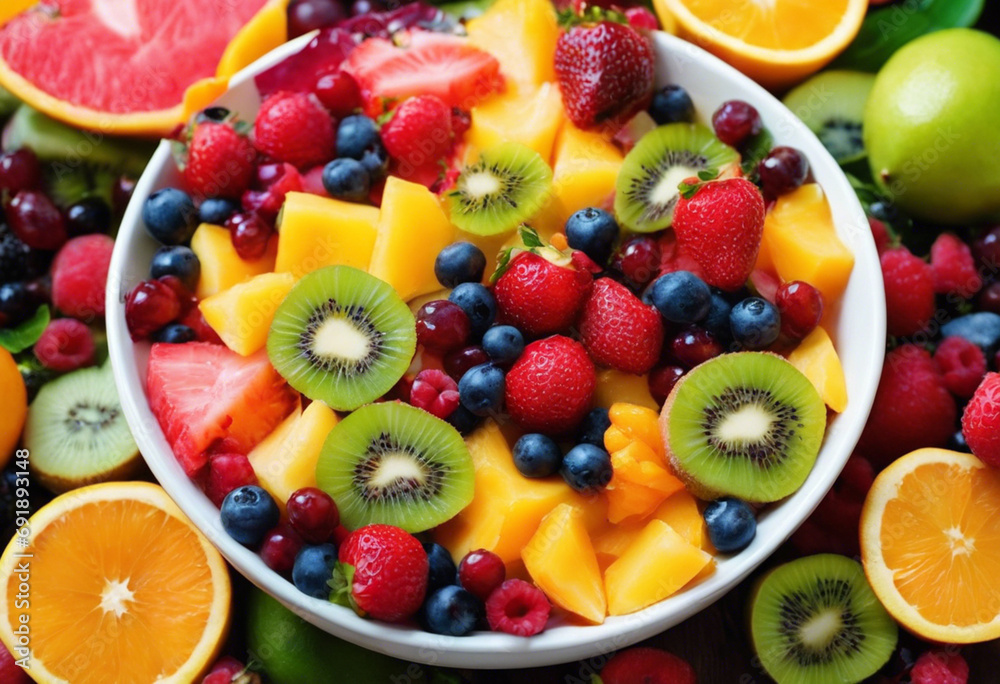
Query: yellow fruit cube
{"x": 319, "y": 231}
{"x": 638, "y": 423}
{"x": 412, "y": 229}
{"x": 817, "y": 359}
{"x": 286, "y": 459}
{"x": 527, "y": 61}
{"x": 531, "y": 119}
{"x": 800, "y": 237}
{"x": 680, "y": 511}
{"x": 614, "y": 386}
{"x": 640, "y": 482}
{"x": 221, "y": 266}
{"x": 585, "y": 169}
{"x": 561, "y": 561}
{"x": 657, "y": 563}
{"x": 242, "y": 314}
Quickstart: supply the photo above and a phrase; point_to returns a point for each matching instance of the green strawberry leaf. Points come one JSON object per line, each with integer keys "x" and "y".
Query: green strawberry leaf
{"x": 758, "y": 148}
{"x": 708, "y": 174}
{"x": 340, "y": 587}
{"x": 503, "y": 262}
{"x": 530, "y": 237}
{"x": 590, "y": 14}
{"x": 689, "y": 190}
{"x": 27, "y": 333}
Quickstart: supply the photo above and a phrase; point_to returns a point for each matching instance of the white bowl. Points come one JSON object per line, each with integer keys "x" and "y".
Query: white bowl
{"x": 860, "y": 339}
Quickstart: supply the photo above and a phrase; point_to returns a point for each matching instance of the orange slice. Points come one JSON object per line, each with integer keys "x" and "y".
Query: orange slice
{"x": 930, "y": 544}
{"x": 13, "y": 406}
{"x": 114, "y": 585}
{"x": 775, "y": 42}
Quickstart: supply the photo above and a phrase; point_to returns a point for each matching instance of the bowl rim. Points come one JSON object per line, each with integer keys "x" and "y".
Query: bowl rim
{"x": 562, "y": 643}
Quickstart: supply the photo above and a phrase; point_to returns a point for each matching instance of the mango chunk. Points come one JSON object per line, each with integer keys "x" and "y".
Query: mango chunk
{"x": 319, "y": 231}
{"x": 242, "y": 314}
{"x": 657, "y": 563}
{"x": 639, "y": 484}
{"x": 221, "y": 266}
{"x": 528, "y": 61}
{"x": 680, "y": 511}
{"x": 286, "y": 459}
{"x": 801, "y": 240}
{"x": 585, "y": 169}
{"x": 561, "y": 561}
{"x": 532, "y": 119}
{"x": 818, "y": 360}
{"x": 614, "y": 386}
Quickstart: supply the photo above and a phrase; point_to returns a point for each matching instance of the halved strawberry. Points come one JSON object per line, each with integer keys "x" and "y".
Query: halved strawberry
{"x": 425, "y": 64}
{"x": 202, "y": 392}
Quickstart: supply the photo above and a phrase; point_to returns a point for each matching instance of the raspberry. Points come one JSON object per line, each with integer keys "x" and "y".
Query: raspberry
{"x": 618, "y": 330}
{"x": 940, "y": 667}
{"x": 66, "y": 344}
{"x": 981, "y": 421}
{"x": 953, "y": 267}
{"x": 434, "y": 392}
{"x": 518, "y": 608}
{"x": 912, "y": 408}
{"x": 481, "y": 572}
{"x": 80, "y": 275}
{"x": 641, "y": 18}
{"x": 881, "y": 234}
{"x": 227, "y": 472}
{"x": 649, "y": 666}
{"x": 962, "y": 365}
{"x": 909, "y": 291}
{"x": 295, "y": 128}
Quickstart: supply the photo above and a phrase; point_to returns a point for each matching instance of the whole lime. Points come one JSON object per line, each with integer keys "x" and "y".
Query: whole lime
{"x": 931, "y": 127}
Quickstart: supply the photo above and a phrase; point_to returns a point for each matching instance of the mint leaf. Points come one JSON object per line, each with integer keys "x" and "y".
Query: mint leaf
{"x": 530, "y": 238}
{"x": 708, "y": 175}
{"x": 689, "y": 190}
{"x": 756, "y": 149}
{"x": 27, "y": 333}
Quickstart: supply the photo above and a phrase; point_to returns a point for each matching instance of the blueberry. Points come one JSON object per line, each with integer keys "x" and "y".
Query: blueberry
{"x": 216, "y": 114}
{"x": 170, "y": 216}
{"x": 593, "y": 231}
{"x": 957, "y": 443}
{"x": 176, "y": 260}
{"x": 478, "y": 304}
{"x": 216, "y": 210}
{"x": 717, "y": 319}
{"x": 981, "y": 328}
{"x": 175, "y": 333}
{"x": 452, "y": 611}
{"x": 247, "y": 513}
{"x": 464, "y": 420}
{"x": 481, "y": 389}
{"x": 586, "y": 468}
{"x": 459, "y": 262}
{"x": 671, "y": 104}
{"x": 536, "y": 455}
{"x": 681, "y": 297}
{"x": 346, "y": 179}
{"x": 593, "y": 427}
{"x": 16, "y": 303}
{"x": 89, "y": 215}
{"x": 441, "y": 567}
{"x": 731, "y": 524}
{"x": 356, "y": 134}
{"x": 313, "y": 567}
{"x": 504, "y": 343}
{"x": 755, "y": 323}
{"x": 376, "y": 161}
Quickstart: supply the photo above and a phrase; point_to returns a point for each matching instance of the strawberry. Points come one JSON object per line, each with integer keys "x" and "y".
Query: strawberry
{"x": 418, "y": 136}
{"x": 647, "y": 665}
{"x": 382, "y": 573}
{"x": 604, "y": 69}
{"x": 618, "y": 330}
{"x": 295, "y": 128}
{"x": 202, "y": 392}
{"x": 549, "y": 388}
{"x": 719, "y": 224}
{"x": 218, "y": 160}
{"x": 423, "y": 63}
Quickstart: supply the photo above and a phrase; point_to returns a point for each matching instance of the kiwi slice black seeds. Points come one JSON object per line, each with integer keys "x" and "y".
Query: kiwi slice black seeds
{"x": 422, "y": 485}
{"x": 769, "y": 448}
{"x": 799, "y": 609}
{"x": 331, "y": 310}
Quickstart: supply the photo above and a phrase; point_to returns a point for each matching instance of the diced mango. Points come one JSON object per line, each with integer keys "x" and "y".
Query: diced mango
{"x": 614, "y": 386}
{"x": 319, "y": 231}
{"x": 528, "y": 61}
{"x": 800, "y": 236}
{"x": 412, "y": 229}
{"x": 680, "y": 511}
{"x": 242, "y": 314}
{"x": 286, "y": 459}
{"x": 584, "y": 170}
{"x": 221, "y": 266}
{"x": 658, "y": 563}
{"x": 817, "y": 359}
{"x": 532, "y": 119}
{"x": 561, "y": 561}
{"x": 638, "y": 423}
{"x": 639, "y": 484}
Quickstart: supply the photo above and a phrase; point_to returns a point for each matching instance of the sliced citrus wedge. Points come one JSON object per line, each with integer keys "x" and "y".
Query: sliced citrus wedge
{"x": 930, "y": 544}
{"x": 114, "y": 585}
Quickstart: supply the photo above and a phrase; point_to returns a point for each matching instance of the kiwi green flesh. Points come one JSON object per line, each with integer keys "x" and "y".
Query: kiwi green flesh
{"x": 746, "y": 424}
{"x": 395, "y": 464}
{"x": 646, "y": 190}
{"x": 503, "y": 189}
{"x": 76, "y": 431}
{"x": 342, "y": 336}
{"x": 816, "y": 620}
{"x": 8, "y": 102}
{"x": 832, "y": 105}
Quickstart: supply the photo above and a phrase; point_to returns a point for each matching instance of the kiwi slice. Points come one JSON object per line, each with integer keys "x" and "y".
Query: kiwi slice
{"x": 747, "y": 424}
{"x": 505, "y": 188}
{"x": 76, "y": 432}
{"x": 646, "y": 192}
{"x": 395, "y": 464}
{"x": 342, "y": 337}
{"x": 816, "y": 620}
{"x": 832, "y": 105}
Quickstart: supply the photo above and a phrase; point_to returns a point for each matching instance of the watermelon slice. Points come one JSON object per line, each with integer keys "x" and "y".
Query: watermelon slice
{"x": 202, "y": 392}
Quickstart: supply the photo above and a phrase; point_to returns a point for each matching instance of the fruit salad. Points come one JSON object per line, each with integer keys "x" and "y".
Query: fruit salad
{"x": 462, "y": 331}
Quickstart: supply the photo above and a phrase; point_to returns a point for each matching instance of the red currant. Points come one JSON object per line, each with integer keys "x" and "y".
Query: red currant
{"x": 782, "y": 171}
{"x": 695, "y": 345}
{"x": 121, "y": 193}
{"x": 250, "y": 235}
{"x": 480, "y": 572}
{"x": 442, "y": 325}
{"x": 801, "y": 308}
{"x": 37, "y": 221}
{"x": 989, "y": 298}
{"x": 308, "y": 15}
{"x": 149, "y": 307}
{"x": 986, "y": 249}
{"x": 279, "y": 548}
{"x": 339, "y": 93}
{"x": 736, "y": 121}
{"x": 313, "y": 514}
{"x": 662, "y": 380}
{"x": 19, "y": 170}
{"x": 456, "y": 363}
{"x": 639, "y": 259}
